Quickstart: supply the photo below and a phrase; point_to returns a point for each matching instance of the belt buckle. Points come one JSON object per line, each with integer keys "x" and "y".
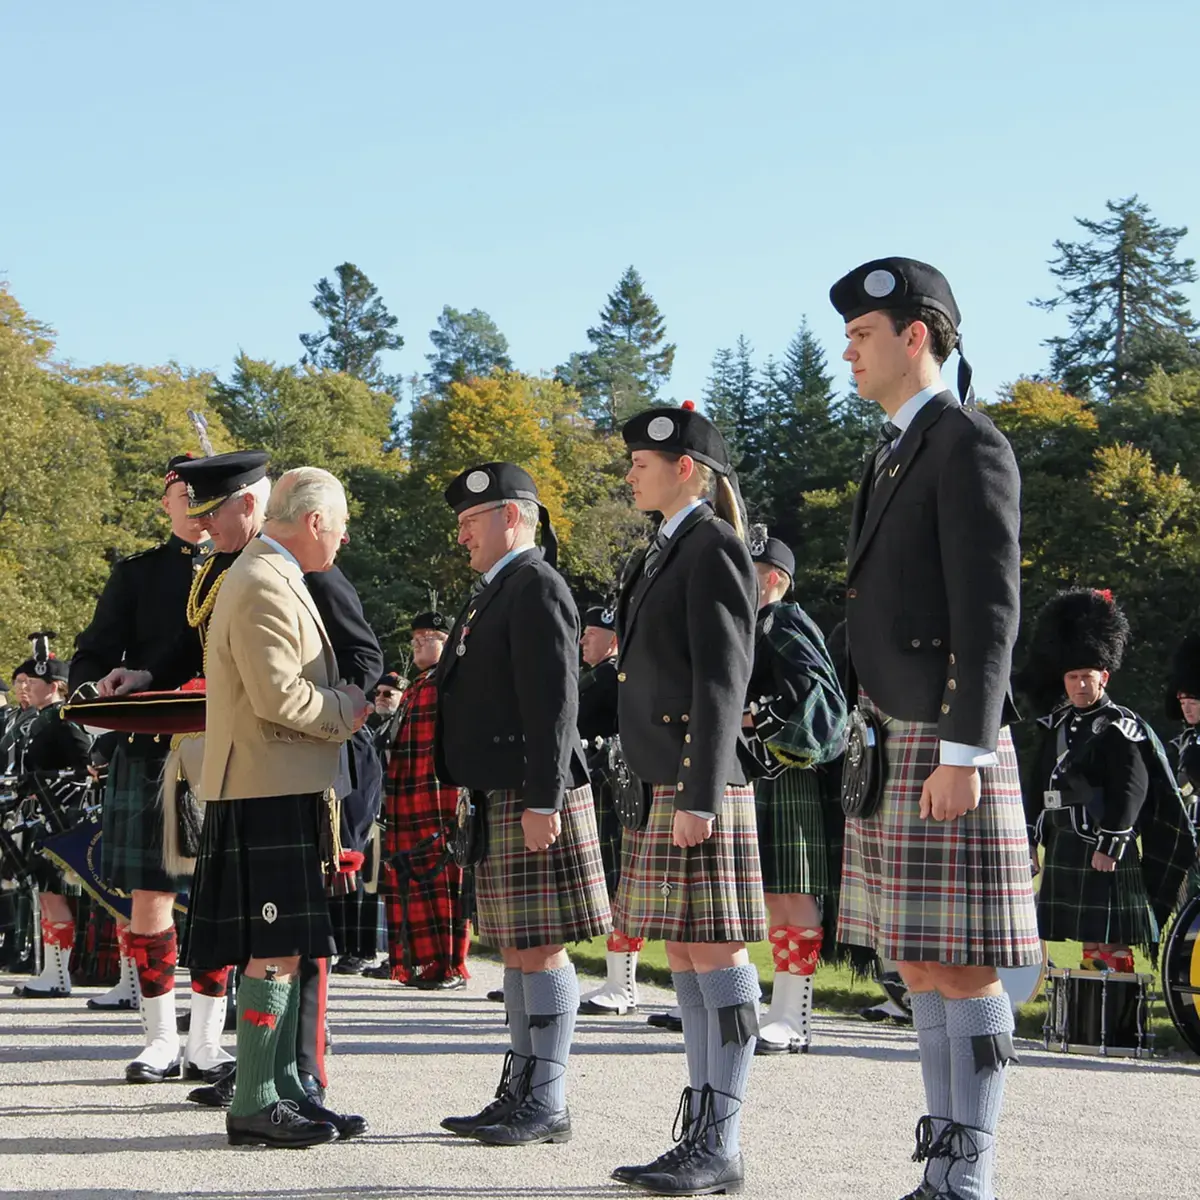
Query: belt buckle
{"x": 1052, "y": 799}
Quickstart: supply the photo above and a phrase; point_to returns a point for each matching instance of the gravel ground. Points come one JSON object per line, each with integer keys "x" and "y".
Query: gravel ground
{"x": 834, "y": 1124}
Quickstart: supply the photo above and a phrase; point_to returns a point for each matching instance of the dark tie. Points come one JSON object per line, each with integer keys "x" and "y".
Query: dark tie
{"x": 656, "y": 548}
{"x": 478, "y": 586}
{"x": 888, "y": 435}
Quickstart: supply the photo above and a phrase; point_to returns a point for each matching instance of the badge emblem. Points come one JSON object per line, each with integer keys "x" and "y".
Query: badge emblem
{"x": 269, "y": 913}
{"x": 191, "y": 494}
{"x": 660, "y": 429}
{"x": 40, "y": 668}
{"x": 879, "y": 283}
{"x": 1100, "y": 724}
{"x": 769, "y": 623}
{"x": 757, "y": 547}
{"x": 608, "y": 616}
{"x": 478, "y": 482}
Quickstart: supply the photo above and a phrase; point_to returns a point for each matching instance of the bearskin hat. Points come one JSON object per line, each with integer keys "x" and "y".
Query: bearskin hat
{"x": 1184, "y": 675}
{"x": 1077, "y": 629}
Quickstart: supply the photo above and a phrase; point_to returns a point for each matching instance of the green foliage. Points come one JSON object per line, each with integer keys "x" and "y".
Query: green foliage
{"x": 466, "y": 345}
{"x": 1124, "y": 307}
{"x": 358, "y": 328}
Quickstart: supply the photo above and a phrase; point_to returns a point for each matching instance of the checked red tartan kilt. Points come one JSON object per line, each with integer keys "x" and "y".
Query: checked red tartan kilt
{"x": 525, "y": 899}
{"x": 428, "y": 933}
{"x": 954, "y": 892}
{"x": 714, "y": 891}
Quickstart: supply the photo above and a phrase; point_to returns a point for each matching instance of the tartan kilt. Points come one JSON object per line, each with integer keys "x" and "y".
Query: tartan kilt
{"x": 258, "y": 890}
{"x": 792, "y": 842}
{"x": 609, "y": 830}
{"x": 715, "y": 889}
{"x": 1080, "y": 904}
{"x": 557, "y": 896}
{"x": 131, "y": 844}
{"x": 954, "y": 892}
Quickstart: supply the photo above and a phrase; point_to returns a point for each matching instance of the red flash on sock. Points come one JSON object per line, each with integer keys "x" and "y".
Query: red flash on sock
{"x": 796, "y": 951}
{"x": 254, "y": 1017}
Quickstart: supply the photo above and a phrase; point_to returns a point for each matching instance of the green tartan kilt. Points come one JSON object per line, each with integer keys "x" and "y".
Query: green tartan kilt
{"x": 550, "y": 898}
{"x": 1080, "y": 904}
{"x": 258, "y": 890}
{"x": 131, "y": 846}
{"x": 792, "y": 842}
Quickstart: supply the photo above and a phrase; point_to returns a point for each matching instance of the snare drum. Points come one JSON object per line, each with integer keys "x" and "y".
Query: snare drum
{"x": 1099, "y": 1012}
{"x": 1181, "y": 973}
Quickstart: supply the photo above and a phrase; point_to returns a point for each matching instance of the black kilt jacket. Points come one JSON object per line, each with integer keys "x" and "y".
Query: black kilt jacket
{"x": 686, "y": 637}
{"x": 509, "y": 702}
{"x": 598, "y": 702}
{"x": 933, "y": 576}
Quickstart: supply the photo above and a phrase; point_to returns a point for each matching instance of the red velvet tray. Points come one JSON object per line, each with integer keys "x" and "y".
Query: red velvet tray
{"x": 142, "y": 712}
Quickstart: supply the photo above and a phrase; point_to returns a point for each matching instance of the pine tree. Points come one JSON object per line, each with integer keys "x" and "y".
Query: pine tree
{"x": 358, "y": 328}
{"x": 629, "y": 362}
{"x": 467, "y": 346}
{"x": 1126, "y": 314}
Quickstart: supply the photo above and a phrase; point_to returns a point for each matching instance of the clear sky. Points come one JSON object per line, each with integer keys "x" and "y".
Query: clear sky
{"x": 174, "y": 178}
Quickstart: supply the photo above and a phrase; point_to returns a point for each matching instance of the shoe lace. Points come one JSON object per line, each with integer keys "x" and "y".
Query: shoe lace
{"x": 954, "y": 1141}
{"x": 287, "y": 1112}
{"x": 682, "y": 1131}
{"x": 707, "y": 1120}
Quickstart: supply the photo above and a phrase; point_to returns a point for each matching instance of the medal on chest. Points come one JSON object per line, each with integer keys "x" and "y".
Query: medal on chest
{"x": 461, "y": 648}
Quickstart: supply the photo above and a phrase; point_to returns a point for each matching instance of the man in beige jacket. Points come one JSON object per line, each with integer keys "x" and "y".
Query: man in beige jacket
{"x": 276, "y": 718}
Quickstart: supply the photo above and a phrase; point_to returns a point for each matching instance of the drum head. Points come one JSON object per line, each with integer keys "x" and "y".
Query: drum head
{"x": 1181, "y": 973}
{"x": 1023, "y": 984}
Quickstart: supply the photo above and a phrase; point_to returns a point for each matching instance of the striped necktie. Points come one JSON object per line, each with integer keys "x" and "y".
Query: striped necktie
{"x": 888, "y": 437}
{"x": 656, "y": 548}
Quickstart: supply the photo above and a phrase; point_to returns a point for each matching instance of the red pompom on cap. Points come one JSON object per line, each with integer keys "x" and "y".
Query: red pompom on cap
{"x": 688, "y": 406}
{"x": 1105, "y": 594}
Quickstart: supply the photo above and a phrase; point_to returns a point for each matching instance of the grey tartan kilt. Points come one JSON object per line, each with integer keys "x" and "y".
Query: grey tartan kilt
{"x": 258, "y": 890}
{"x": 954, "y": 892}
{"x": 707, "y": 893}
{"x": 525, "y": 899}
{"x": 792, "y": 842}
{"x": 131, "y": 845}
{"x": 1080, "y": 904}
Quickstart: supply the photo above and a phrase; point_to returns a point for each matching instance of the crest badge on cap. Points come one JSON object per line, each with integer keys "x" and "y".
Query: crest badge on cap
{"x": 608, "y": 616}
{"x": 661, "y": 428}
{"x": 477, "y": 482}
{"x": 879, "y": 283}
{"x": 41, "y": 668}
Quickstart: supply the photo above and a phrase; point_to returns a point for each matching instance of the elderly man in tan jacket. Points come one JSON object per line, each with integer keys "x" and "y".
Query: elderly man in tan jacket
{"x": 276, "y": 718}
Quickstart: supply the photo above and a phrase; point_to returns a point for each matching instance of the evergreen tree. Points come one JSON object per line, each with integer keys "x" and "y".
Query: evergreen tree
{"x": 467, "y": 346}
{"x": 628, "y": 363}
{"x": 358, "y": 328}
{"x": 1121, "y": 292}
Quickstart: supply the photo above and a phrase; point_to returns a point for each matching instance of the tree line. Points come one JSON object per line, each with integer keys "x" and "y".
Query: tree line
{"x": 1107, "y": 434}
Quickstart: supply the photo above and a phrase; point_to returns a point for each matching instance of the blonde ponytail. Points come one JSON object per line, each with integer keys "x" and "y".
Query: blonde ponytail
{"x": 726, "y": 506}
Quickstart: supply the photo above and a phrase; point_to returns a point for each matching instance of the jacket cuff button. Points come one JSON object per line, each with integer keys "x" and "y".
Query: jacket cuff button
{"x": 666, "y": 719}
{"x": 945, "y": 708}
{"x": 679, "y": 787}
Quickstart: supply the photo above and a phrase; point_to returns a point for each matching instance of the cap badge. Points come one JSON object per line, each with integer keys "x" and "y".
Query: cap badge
{"x": 660, "y": 428}
{"x": 879, "y": 283}
{"x": 270, "y": 913}
{"x": 608, "y": 616}
{"x": 191, "y": 494}
{"x": 478, "y": 482}
{"x": 769, "y": 623}
{"x": 40, "y": 668}
{"x": 758, "y": 546}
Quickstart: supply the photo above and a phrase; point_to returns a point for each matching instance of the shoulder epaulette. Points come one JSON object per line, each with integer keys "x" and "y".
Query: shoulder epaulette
{"x": 141, "y": 553}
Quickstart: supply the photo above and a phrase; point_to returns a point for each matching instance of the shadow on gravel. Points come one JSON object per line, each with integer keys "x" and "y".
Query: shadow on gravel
{"x": 449, "y": 1191}
{"x": 496, "y": 1048}
{"x": 92, "y": 1110}
{"x": 58, "y": 1146}
{"x": 1079, "y": 1062}
{"x": 69, "y": 1053}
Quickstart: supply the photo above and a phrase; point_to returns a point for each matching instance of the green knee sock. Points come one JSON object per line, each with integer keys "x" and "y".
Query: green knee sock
{"x": 287, "y": 1077}
{"x": 262, "y": 1007}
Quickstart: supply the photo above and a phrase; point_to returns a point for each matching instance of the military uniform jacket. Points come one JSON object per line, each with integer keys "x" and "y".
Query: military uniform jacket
{"x": 508, "y": 689}
{"x": 686, "y": 637}
{"x": 140, "y": 615}
{"x": 1115, "y": 777}
{"x": 933, "y": 576}
{"x": 52, "y": 744}
{"x": 1187, "y": 768}
{"x": 598, "y": 702}
{"x": 799, "y": 709}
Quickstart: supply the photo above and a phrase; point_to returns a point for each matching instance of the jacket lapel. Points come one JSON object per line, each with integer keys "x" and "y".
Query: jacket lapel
{"x": 865, "y": 523}
{"x": 640, "y": 587}
{"x": 295, "y": 580}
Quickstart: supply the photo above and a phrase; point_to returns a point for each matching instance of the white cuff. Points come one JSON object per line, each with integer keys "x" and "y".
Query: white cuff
{"x": 543, "y": 812}
{"x": 704, "y": 816}
{"x": 956, "y": 754}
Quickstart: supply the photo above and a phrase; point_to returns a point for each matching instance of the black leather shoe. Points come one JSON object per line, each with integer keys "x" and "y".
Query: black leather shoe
{"x": 279, "y": 1126}
{"x": 665, "y": 1020}
{"x": 702, "y": 1172}
{"x": 117, "y": 1006}
{"x": 509, "y": 1094}
{"x": 28, "y": 992}
{"x": 217, "y": 1095}
{"x": 453, "y": 983}
{"x": 349, "y": 964}
{"x": 527, "y": 1125}
{"x": 312, "y": 1085}
{"x": 347, "y": 1125}
{"x": 497, "y": 994}
{"x": 382, "y": 971}
{"x": 208, "y": 1074}
{"x": 140, "y": 1072}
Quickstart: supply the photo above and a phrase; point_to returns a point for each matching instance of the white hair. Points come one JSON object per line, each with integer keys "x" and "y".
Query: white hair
{"x": 529, "y": 512}
{"x": 306, "y": 490}
{"x": 259, "y": 491}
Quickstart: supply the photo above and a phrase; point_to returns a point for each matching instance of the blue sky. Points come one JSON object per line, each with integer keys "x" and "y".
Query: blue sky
{"x": 175, "y": 178}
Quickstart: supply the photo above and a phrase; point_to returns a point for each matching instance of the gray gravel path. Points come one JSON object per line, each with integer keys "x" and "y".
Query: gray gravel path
{"x": 834, "y": 1124}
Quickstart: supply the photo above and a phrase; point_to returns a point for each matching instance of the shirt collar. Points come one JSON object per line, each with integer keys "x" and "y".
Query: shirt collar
{"x": 496, "y": 568}
{"x": 907, "y": 412}
{"x": 671, "y": 524}
{"x": 280, "y": 549}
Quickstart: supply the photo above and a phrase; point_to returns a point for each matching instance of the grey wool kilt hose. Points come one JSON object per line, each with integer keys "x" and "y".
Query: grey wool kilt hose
{"x": 258, "y": 890}
{"x": 527, "y": 898}
{"x": 131, "y": 846}
{"x": 707, "y": 893}
{"x": 953, "y": 892}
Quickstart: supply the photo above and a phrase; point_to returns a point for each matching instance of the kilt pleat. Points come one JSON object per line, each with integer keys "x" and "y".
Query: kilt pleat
{"x": 792, "y": 842}
{"x": 707, "y": 893}
{"x": 258, "y": 890}
{"x": 526, "y": 899}
{"x": 954, "y": 892}
{"x": 131, "y": 845}
{"x": 1078, "y": 903}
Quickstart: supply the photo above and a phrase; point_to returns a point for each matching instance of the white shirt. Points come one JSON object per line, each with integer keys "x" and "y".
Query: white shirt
{"x": 951, "y": 754}
{"x": 282, "y": 550}
{"x": 498, "y": 566}
{"x": 668, "y": 527}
